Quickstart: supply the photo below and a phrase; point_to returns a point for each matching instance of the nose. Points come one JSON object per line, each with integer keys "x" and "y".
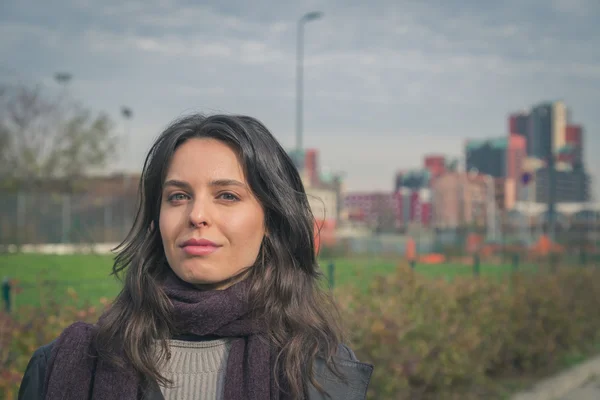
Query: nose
{"x": 198, "y": 214}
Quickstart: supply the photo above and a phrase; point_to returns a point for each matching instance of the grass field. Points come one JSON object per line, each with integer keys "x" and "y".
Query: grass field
{"x": 41, "y": 275}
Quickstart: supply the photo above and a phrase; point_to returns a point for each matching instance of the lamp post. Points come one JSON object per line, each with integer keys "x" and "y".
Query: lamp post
{"x": 63, "y": 78}
{"x": 311, "y": 16}
{"x": 127, "y": 114}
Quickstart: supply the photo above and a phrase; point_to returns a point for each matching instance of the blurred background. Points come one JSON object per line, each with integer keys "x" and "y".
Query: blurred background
{"x": 456, "y": 139}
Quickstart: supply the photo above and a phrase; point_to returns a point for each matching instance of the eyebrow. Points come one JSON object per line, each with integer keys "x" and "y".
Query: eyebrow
{"x": 216, "y": 182}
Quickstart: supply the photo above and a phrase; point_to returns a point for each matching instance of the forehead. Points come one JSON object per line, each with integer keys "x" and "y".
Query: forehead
{"x": 205, "y": 158}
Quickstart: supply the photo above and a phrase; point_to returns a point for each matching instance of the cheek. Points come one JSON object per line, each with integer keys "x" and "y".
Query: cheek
{"x": 249, "y": 230}
{"x": 168, "y": 223}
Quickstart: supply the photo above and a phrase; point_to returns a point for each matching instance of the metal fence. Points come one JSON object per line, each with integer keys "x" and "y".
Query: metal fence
{"x": 85, "y": 218}
{"x": 36, "y": 218}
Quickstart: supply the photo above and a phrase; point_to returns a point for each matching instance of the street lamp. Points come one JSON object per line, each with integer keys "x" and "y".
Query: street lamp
{"x": 127, "y": 114}
{"x": 311, "y": 16}
{"x": 63, "y": 77}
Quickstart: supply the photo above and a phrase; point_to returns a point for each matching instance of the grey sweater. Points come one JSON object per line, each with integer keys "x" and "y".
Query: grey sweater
{"x": 197, "y": 369}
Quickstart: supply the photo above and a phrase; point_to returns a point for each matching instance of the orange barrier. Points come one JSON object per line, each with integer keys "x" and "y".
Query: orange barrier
{"x": 411, "y": 250}
{"x": 432, "y": 258}
{"x": 545, "y": 245}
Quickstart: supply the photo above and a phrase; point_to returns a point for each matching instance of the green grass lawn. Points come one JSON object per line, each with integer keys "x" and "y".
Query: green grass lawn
{"x": 89, "y": 274}
{"x": 361, "y": 271}
{"x": 41, "y": 275}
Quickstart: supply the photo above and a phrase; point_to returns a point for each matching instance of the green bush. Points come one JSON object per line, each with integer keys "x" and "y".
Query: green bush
{"x": 428, "y": 339}
{"x": 438, "y": 339}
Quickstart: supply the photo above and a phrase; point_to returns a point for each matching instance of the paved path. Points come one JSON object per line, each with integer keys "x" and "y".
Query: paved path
{"x": 581, "y": 382}
{"x": 588, "y": 391}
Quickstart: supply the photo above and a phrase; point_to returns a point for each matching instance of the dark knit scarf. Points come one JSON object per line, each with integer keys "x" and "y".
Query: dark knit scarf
{"x": 74, "y": 371}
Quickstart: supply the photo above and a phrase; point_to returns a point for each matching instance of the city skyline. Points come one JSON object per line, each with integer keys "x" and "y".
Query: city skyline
{"x": 389, "y": 83}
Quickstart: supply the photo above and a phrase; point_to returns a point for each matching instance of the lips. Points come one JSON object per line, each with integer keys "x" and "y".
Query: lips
{"x": 199, "y": 247}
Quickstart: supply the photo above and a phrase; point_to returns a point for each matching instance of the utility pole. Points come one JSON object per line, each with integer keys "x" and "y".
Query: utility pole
{"x": 311, "y": 16}
{"x": 127, "y": 115}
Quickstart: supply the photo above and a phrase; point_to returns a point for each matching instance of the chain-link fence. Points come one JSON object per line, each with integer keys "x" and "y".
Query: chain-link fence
{"x": 86, "y": 218}
{"x": 38, "y": 218}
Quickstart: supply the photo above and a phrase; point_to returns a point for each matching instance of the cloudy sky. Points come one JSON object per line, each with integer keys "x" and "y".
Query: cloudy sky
{"x": 385, "y": 81}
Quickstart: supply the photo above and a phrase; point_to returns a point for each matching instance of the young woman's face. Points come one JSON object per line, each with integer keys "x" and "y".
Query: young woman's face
{"x": 211, "y": 224}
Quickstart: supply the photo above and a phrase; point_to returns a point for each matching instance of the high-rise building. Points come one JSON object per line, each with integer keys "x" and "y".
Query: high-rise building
{"x": 539, "y": 136}
{"x": 546, "y": 130}
{"x": 574, "y": 139}
{"x": 414, "y": 179}
{"x": 515, "y": 156}
{"x": 559, "y": 126}
{"x": 487, "y": 156}
{"x": 517, "y": 123}
{"x": 571, "y": 185}
{"x": 502, "y": 158}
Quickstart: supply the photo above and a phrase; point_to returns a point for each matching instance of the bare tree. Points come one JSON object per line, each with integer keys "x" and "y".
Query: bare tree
{"x": 43, "y": 138}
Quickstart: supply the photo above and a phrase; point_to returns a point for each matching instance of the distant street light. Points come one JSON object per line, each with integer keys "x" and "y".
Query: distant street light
{"x": 63, "y": 77}
{"x": 311, "y": 16}
{"x": 127, "y": 114}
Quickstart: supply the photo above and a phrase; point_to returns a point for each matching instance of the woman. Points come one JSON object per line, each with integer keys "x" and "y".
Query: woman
{"x": 221, "y": 296}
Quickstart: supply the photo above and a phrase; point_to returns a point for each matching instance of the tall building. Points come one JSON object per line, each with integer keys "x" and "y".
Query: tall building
{"x": 487, "y": 156}
{"x": 502, "y": 158}
{"x": 546, "y": 129}
{"x": 539, "y": 137}
{"x": 553, "y": 143}
{"x": 559, "y": 126}
{"x": 574, "y": 139}
{"x": 413, "y": 179}
{"x": 517, "y": 123}
{"x": 515, "y": 156}
{"x": 572, "y": 185}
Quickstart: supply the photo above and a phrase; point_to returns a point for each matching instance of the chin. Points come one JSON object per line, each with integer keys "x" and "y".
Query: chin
{"x": 199, "y": 274}
{"x": 196, "y": 278}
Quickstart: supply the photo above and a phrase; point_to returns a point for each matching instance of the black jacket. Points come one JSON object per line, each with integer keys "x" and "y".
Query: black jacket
{"x": 357, "y": 374}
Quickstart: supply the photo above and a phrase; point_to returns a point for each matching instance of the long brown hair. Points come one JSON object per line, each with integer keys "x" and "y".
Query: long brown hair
{"x": 285, "y": 281}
